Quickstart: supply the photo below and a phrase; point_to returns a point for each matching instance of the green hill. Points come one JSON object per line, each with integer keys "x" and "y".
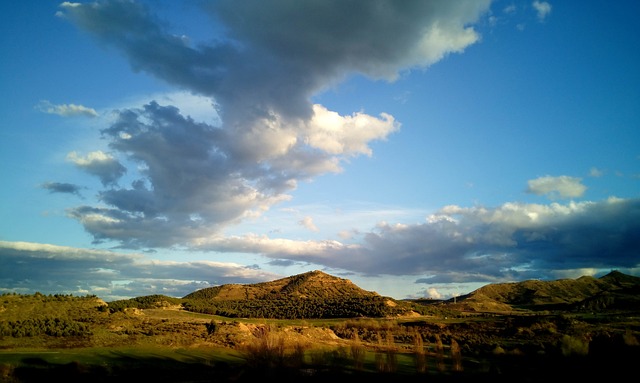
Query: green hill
{"x": 304, "y": 296}
{"x": 585, "y": 293}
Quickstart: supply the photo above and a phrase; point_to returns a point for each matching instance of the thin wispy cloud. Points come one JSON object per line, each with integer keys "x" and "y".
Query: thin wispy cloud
{"x": 308, "y": 223}
{"x": 62, "y": 187}
{"x": 66, "y": 110}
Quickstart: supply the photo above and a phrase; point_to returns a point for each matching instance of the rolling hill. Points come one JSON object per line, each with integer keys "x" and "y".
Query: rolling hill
{"x": 316, "y": 294}
{"x": 578, "y": 329}
{"x": 310, "y": 285}
{"x": 612, "y": 291}
{"x": 309, "y": 295}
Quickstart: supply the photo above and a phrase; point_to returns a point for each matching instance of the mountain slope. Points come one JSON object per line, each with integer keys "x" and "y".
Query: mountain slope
{"x": 568, "y": 294}
{"x": 304, "y": 296}
{"x": 311, "y": 285}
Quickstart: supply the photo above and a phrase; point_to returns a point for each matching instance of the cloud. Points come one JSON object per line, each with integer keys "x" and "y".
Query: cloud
{"x": 514, "y": 241}
{"x": 462, "y": 245}
{"x": 29, "y": 267}
{"x": 267, "y": 63}
{"x": 66, "y": 110}
{"x": 308, "y": 223}
{"x": 336, "y": 134}
{"x": 557, "y": 187}
{"x": 261, "y": 75}
{"x": 191, "y": 169}
{"x": 100, "y": 164}
{"x": 60, "y": 187}
{"x": 543, "y": 9}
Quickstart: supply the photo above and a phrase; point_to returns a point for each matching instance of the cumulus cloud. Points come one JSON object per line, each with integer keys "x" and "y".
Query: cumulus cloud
{"x": 267, "y": 51}
{"x": 557, "y": 187}
{"x": 66, "y": 110}
{"x": 543, "y": 9}
{"x": 514, "y": 241}
{"x": 29, "y": 267}
{"x": 195, "y": 178}
{"x": 99, "y": 164}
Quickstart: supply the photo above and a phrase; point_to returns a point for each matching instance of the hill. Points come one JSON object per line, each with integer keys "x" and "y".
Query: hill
{"x": 309, "y": 295}
{"x": 528, "y": 331}
{"x": 316, "y": 294}
{"x": 612, "y": 291}
{"x": 310, "y": 285}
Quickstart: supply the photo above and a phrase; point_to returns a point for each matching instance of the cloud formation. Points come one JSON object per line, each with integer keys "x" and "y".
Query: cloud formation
{"x": 511, "y": 242}
{"x": 514, "y": 241}
{"x": 62, "y": 187}
{"x": 193, "y": 178}
{"x": 28, "y": 267}
{"x": 542, "y": 8}
{"x": 66, "y": 110}
{"x": 99, "y": 164}
{"x": 557, "y": 187}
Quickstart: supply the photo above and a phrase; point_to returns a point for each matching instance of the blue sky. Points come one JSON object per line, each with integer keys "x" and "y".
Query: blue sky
{"x": 417, "y": 148}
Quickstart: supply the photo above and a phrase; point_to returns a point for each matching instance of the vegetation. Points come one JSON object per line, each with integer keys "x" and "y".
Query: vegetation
{"x": 297, "y": 308}
{"x": 146, "y": 302}
{"x": 347, "y": 334}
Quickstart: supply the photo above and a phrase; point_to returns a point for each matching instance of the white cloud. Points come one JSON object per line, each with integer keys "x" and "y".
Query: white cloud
{"x": 100, "y": 164}
{"x": 66, "y": 110}
{"x": 433, "y": 293}
{"x": 348, "y": 135}
{"x": 543, "y": 9}
{"x": 308, "y": 223}
{"x": 557, "y": 187}
{"x": 595, "y": 172}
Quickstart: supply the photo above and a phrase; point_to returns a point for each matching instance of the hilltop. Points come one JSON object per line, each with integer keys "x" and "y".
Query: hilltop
{"x": 309, "y": 285}
{"x": 309, "y": 295}
{"x": 316, "y": 294}
{"x": 612, "y": 291}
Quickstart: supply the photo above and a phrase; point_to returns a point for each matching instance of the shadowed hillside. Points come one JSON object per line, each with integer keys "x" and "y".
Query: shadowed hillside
{"x": 614, "y": 290}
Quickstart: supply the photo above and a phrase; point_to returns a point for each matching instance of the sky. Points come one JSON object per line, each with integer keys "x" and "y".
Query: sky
{"x": 420, "y": 149}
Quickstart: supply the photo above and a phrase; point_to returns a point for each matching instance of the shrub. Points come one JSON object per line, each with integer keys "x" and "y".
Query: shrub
{"x": 571, "y": 345}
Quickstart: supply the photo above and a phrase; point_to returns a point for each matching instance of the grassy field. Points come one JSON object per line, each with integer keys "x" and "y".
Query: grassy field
{"x": 76, "y": 340}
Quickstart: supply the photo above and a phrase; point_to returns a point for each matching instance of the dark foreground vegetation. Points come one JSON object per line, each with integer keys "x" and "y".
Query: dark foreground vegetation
{"x": 157, "y": 338}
